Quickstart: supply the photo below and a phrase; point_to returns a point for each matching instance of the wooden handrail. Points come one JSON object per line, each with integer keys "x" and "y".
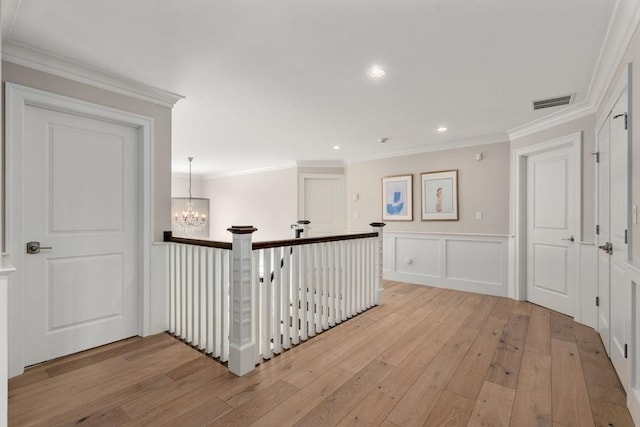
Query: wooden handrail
{"x": 168, "y": 237}
{"x": 310, "y": 240}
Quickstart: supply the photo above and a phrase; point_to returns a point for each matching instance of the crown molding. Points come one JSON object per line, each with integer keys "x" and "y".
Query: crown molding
{"x": 41, "y": 60}
{"x": 622, "y": 25}
{"x": 320, "y": 163}
{"x": 577, "y": 111}
{"x": 463, "y": 143}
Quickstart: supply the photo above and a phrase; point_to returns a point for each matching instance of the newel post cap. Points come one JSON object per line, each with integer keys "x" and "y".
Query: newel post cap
{"x": 242, "y": 229}
{"x": 304, "y": 221}
{"x": 377, "y": 224}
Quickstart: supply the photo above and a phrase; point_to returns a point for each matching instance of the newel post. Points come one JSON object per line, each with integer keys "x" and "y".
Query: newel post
{"x": 304, "y": 225}
{"x": 377, "y": 268}
{"x": 242, "y": 350}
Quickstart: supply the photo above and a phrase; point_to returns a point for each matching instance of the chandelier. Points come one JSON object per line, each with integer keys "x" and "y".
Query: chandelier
{"x": 190, "y": 214}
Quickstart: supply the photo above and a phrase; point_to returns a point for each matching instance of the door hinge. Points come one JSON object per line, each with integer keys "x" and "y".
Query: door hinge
{"x": 625, "y": 119}
{"x": 625, "y": 236}
{"x": 597, "y": 154}
{"x": 597, "y": 229}
{"x": 626, "y": 351}
{"x": 597, "y": 301}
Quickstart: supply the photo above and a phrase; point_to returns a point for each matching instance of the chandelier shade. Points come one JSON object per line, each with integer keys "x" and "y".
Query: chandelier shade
{"x": 190, "y": 217}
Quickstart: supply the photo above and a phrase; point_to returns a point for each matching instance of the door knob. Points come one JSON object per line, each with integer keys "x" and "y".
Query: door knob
{"x": 34, "y": 247}
{"x": 571, "y": 239}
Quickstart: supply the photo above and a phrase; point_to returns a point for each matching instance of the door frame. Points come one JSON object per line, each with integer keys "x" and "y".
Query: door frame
{"x": 518, "y": 289}
{"x": 302, "y": 191}
{"x": 17, "y": 97}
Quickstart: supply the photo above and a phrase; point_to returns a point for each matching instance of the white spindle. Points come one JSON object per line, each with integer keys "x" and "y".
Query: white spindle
{"x": 332, "y": 283}
{"x": 317, "y": 268}
{"x": 287, "y": 253}
{"x": 226, "y": 283}
{"x": 266, "y": 305}
{"x": 295, "y": 294}
{"x": 277, "y": 300}
{"x": 304, "y": 294}
{"x": 210, "y": 295}
{"x": 257, "y": 304}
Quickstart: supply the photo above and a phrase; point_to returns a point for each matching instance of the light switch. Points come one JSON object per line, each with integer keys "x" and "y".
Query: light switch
{"x": 356, "y": 215}
{"x": 478, "y": 215}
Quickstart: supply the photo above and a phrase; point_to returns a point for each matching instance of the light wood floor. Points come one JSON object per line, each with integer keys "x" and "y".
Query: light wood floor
{"x": 426, "y": 357}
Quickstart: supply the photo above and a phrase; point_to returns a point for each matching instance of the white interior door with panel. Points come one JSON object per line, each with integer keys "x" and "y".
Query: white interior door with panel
{"x": 79, "y": 185}
{"x": 620, "y": 288}
{"x": 603, "y": 300}
{"x": 550, "y": 225}
{"x": 322, "y": 203}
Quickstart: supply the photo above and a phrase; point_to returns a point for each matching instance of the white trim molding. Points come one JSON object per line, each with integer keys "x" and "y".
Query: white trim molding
{"x": 466, "y": 262}
{"x": 17, "y": 98}
{"x": 60, "y": 66}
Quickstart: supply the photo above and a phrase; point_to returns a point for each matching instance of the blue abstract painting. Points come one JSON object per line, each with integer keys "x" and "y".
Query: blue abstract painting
{"x": 396, "y": 198}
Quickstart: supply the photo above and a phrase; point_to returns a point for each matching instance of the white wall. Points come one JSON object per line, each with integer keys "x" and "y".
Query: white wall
{"x": 266, "y": 200}
{"x": 180, "y": 186}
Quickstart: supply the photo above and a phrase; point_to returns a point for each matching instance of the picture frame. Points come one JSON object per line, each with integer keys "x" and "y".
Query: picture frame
{"x": 439, "y": 191}
{"x": 397, "y": 198}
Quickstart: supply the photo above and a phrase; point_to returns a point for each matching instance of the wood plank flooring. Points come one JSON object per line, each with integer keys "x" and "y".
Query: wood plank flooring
{"x": 427, "y": 356}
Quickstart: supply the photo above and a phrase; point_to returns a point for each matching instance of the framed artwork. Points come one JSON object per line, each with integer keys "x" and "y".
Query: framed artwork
{"x": 440, "y": 196}
{"x": 397, "y": 198}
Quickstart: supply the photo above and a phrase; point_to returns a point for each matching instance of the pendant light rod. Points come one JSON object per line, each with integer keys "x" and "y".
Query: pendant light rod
{"x": 190, "y": 160}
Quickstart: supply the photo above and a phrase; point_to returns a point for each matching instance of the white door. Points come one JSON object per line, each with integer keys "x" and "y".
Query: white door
{"x": 620, "y": 288}
{"x": 550, "y": 229}
{"x": 79, "y": 196}
{"x": 322, "y": 203}
{"x": 602, "y": 236}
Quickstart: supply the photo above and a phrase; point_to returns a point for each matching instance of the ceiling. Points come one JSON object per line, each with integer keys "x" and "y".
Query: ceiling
{"x": 269, "y": 83}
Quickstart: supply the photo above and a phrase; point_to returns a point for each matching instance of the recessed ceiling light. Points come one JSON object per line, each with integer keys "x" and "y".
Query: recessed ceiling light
{"x": 336, "y": 147}
{"x": 377, "y": 72}
{"x": 442, "y": 129}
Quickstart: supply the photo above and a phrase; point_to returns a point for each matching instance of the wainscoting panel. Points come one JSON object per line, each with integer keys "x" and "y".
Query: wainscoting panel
{"x": 466, "y": 262}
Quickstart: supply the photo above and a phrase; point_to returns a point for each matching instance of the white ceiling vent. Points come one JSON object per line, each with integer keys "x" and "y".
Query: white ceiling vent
{"x": 553, "y": 102}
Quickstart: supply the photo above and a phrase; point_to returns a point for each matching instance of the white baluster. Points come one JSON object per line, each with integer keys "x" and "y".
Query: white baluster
{"x": 266, "y": 304}
{"x": 227, "y": 277}
{"x": 209, "y": 304}
{"x": 256, "y": 304}
{"x": 304, "y": 293}
{"x": 295, "y": 295}
{"x": 277, "y": 300}
{"x": 286, "y": 300}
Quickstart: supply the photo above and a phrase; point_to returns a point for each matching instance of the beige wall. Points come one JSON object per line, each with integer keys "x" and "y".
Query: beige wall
{"x": 266, "y": 200}
{"x": 482, "y": 186}
{"x": 586, "y": 125}
{"x": 632, "y": 54}
{"x": 162, "y": 126}
{"x": 180, "y": 186}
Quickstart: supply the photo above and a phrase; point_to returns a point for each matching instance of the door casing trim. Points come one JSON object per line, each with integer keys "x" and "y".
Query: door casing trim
{"x": 17, "y": 97}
